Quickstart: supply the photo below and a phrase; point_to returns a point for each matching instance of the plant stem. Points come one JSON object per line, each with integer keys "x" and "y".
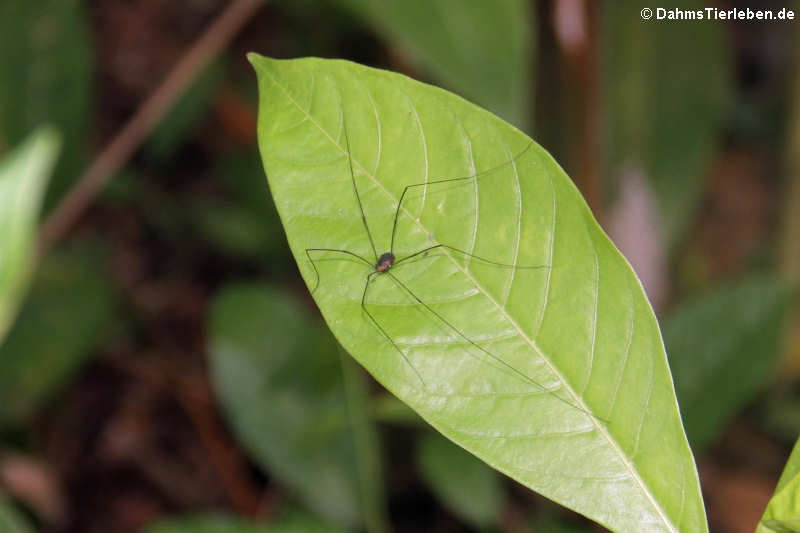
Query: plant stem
{"x": 146, "y": 118}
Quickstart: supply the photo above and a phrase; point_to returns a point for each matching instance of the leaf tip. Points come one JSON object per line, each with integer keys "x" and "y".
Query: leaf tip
{"x": 255, "y": 58}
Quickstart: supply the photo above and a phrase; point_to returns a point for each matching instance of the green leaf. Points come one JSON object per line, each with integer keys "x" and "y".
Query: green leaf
{"x": 23, "y": 178}
{"x": 783, "y": 511}
{"x": 280, "y": 381}
{"x": 45, "y": 78}
{"x": 481, "y": 49}
{"x": 220, "y": 523}
{"x": 722, "y": 348}
{"x": 668, "y": 91}
{"x": 11, "y": 520}
{"x": 465, "y": 485}
{"x": 68, "y": 311}
{"x": 569, "y": 393}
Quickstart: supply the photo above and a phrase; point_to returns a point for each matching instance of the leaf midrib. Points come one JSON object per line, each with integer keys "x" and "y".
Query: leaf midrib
{"x": 612, "y": 442}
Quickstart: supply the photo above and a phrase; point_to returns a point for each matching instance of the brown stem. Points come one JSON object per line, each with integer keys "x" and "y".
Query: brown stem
{"x": 790, "y": 260}
{"x": 230, "y": 465}
{"x": 128, "y": 140}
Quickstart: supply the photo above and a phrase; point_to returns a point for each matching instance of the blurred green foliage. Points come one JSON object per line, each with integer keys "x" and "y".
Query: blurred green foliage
{"x": 242, "y": 223}
{"x": 280, "y": 380}
{"x": 662, "y": 119}
{"x": 722, "y": 348}
{"x": 45, "y": 78}
{"x": 67, "y": 313}
{"x": 11, "y": 519}
{"x": 469, "y": 487}
{"x": 219, "y": 523}
{"x": 187, "y": 113}
{"x": 482, "y": 50}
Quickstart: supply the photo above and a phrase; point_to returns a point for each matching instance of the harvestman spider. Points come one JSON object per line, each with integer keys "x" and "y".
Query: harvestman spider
{"x": 386, "y": 261}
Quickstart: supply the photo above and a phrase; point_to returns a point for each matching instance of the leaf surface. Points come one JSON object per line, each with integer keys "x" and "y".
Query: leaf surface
{"x": 783, "y": 511}
{"x": 554, "y": 374}
{"x": 23, "y": 178}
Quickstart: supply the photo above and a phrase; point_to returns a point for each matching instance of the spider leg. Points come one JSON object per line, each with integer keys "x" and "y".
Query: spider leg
{"x": 335, "y": 250}
{"x": 479, "y": 258}
{"x": 383, "y": 331}
{"x": 355, "y": 189}
{"x": 487, "y": 352}
{"x": 449, "y": 180}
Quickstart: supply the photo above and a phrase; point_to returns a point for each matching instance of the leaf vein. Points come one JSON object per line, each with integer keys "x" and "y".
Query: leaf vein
{"x": 615, "y": 446}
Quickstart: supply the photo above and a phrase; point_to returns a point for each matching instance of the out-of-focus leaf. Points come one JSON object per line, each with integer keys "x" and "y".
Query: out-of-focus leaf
{"x": 23, "y": 179}
{"x": 483, "y": 50}
{"x": 233, "y": 229}
{"x": 11, "y": 520}
{"x": 387, "y": 408}
{"x": 186, "y": 114}
{"x": 557, "y": 525}
{"x": 244, "y": 224}
{"x": 668, "y": 94}
{"x": 219, "y": 523}
{"x": 783, "y": 511}
{"x": 565, "y": 385}
{"x": 464, "y": 484}
{"x": 280, "y": 381}
{"x": 66, "y": 313}
{"x": 45, "y": 78}
{"x": 721, "y": 348}
{"x": 781, "y": 411}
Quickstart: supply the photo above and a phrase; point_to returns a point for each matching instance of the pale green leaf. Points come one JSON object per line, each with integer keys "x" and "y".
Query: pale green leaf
{"x": 280, "y": 381}
{"x": 722, "y": 347}
{"x": 783, "y": 511}
{"x": 23, "y": 179}
{"x": 483, "y": 50}
{"x": 467, "y": 486}
{"x": 568, "y": 390}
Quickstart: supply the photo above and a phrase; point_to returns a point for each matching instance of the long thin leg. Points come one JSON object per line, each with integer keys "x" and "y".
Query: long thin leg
{"x": 484, "y": 350}
{"x": 472, "y": 177}
{"x": 335, "y": 250}
{"x": 380, "y": 328}
{"x": 355, "y": 189}
{"x": 435, "y": 246}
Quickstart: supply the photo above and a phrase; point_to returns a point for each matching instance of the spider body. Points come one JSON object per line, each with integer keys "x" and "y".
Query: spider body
{"x": 385, "y": 262}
